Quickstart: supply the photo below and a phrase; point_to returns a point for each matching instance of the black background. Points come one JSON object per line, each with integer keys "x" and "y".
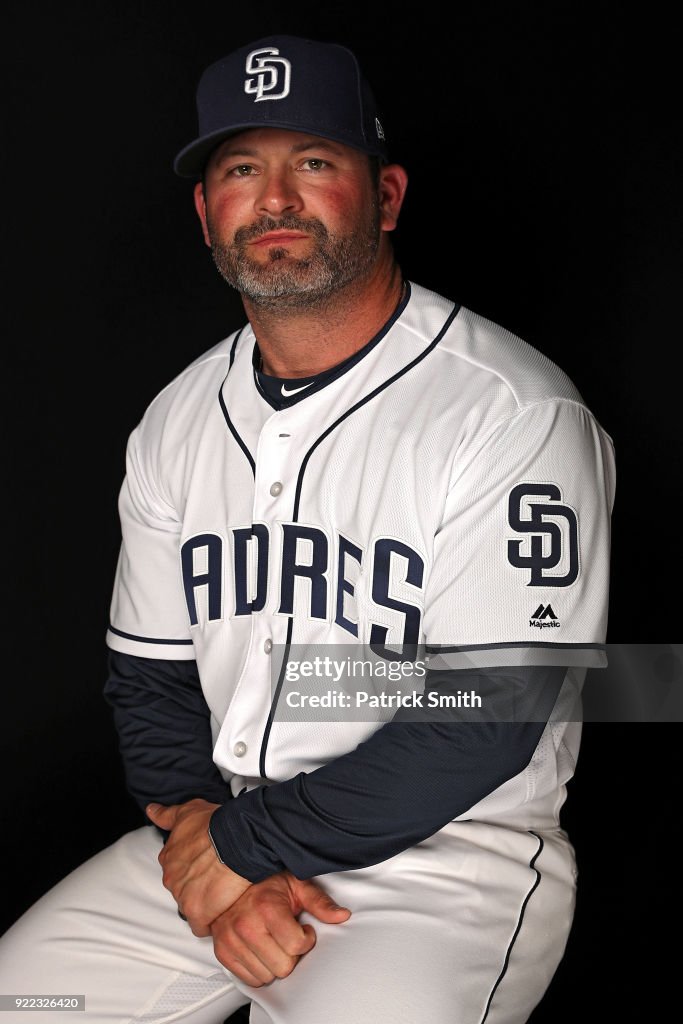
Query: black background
{"x": 541, "y": 144}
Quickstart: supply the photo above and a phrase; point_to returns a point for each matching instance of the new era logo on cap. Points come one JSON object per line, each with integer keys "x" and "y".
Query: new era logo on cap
{"x": 284, "y": 82}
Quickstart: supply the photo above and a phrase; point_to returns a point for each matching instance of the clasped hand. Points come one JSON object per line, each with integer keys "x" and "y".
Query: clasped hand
{"x": 254, "y": 926}
{"x": 201, "y": 886}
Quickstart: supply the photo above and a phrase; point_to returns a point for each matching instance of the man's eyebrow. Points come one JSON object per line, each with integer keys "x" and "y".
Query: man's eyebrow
{"x": 237, "y": 151}
{"x": 316, "y": 143}
{"x": 233, "y": 151}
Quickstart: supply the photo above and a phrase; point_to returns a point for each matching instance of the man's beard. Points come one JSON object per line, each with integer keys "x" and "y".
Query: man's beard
{"x": 287, "y": 282}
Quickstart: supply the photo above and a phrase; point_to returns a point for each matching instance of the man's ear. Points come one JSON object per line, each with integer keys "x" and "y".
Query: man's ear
{"x": 200, "y": 207}
{"x": 393, "y": 182}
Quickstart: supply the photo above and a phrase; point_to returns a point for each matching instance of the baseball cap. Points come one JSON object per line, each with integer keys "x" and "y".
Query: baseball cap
{"x": 284, "y": 82}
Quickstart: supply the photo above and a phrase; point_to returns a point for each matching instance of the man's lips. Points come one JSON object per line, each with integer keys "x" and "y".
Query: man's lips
{"x": 279, "y": 238}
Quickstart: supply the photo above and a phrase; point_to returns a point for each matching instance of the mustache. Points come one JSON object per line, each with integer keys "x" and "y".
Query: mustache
{"x": 290, "y": 222}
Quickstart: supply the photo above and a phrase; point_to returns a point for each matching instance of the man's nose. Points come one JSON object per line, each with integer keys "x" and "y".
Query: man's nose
{"x": 278, "y": 195}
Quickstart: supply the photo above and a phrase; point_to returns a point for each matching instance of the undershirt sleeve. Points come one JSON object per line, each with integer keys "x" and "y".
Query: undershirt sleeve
{"x": 163, "y": 723}
{"x": 394, "y": 790}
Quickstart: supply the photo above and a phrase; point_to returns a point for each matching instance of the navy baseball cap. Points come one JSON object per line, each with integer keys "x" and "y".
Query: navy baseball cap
{"x": 284, "y": 82}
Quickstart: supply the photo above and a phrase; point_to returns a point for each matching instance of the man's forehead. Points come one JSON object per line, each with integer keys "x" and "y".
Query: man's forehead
{"x": 253, "y": 141}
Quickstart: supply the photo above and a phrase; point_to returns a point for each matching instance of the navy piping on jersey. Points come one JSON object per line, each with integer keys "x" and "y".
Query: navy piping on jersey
{"x": 231, "y": 425}
{"x": 276, "y": 697}
{"x": 324, "y": 381}
{"x": 516, "y": 932}
{"x": 145, "y": 639}
{"x": 354, "y": 408}
{"x": 438, "y": 649}
{"x": 368, "y": 398}
{"x": 334, "y": 372}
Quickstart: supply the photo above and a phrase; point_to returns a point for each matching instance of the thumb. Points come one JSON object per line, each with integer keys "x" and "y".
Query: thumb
{"x": 160, "y": 815}
{"x": 313, "y": 899}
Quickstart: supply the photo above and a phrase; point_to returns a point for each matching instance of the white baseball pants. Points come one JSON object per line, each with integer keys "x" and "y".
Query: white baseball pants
{"x": 465, "y": 928}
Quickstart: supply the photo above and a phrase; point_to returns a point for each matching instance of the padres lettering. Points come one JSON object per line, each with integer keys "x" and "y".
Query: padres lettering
{"x": 536, "y": 518}
{"x": 305, "y": 556}
{"x": 266, "y": 73}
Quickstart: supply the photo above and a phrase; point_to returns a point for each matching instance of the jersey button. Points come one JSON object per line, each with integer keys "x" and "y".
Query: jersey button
{"x": 268, "y": 645}
{"x": 240, "y": 749}
{"x": 276, "y": 488}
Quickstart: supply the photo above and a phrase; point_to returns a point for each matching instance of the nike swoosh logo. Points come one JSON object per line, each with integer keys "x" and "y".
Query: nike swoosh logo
{"x": 286, "y": 392}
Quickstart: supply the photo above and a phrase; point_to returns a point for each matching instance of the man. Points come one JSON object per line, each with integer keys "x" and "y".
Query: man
{"x": 363, "y": 467}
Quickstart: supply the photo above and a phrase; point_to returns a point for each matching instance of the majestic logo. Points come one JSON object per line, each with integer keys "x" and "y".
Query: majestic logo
{"x": 554, "y": 530}
{"x": 379, "y": 129}
{"x": 265, "y": 65}
{"x": 544, "y": 618}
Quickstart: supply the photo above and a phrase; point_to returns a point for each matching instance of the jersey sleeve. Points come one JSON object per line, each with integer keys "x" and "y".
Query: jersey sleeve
{"x": 148, "y": 612}
{"x": 520, "y": 570}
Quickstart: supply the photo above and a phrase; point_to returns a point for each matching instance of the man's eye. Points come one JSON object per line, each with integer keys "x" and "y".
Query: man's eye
{"x": 315, "y": 163}
{"x": 242, "y": 170}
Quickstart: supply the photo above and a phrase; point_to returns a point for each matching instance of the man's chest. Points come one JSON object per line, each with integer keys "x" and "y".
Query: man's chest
{"x": 330, "y": 524}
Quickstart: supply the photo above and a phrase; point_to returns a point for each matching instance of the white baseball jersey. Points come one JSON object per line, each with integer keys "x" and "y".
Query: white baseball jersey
{"x": 449, "y": 488}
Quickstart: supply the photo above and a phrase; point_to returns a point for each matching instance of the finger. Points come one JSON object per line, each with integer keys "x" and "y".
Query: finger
{"x": 198, "y": 925}
{"x": 240, "y": 971}
{"x": 198, "y": 921}
{"x": 162, "y": 816}
{"x": 316, "y": 902}
{"x": 200, "y": 931}
{"x": 295, "y": 939}
{"x": 275, "y": 960}
{"x": 239, "y": 959}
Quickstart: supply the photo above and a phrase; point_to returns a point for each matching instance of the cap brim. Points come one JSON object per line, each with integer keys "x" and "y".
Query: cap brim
{"x": 190, "y": 161}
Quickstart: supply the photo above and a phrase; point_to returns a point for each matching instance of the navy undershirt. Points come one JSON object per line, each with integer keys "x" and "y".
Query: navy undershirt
{"x": 271, "y": 388}
{"x": 394, "y": 790}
